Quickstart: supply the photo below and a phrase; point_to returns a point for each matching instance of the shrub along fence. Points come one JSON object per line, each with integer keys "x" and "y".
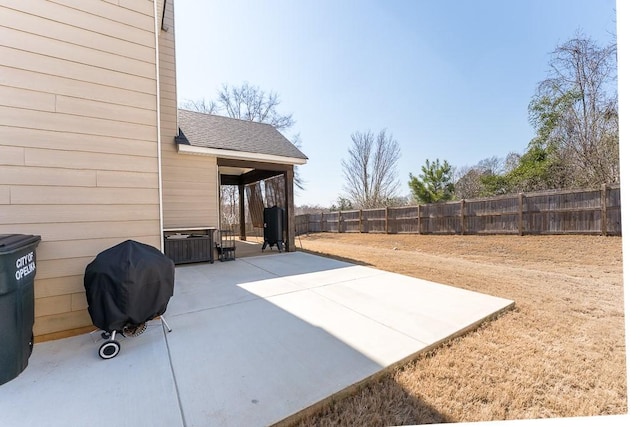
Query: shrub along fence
{"x": 595, "y": 211}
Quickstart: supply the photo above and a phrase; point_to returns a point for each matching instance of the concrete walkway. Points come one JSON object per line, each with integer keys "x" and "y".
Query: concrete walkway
{"x": 253, "y": 342}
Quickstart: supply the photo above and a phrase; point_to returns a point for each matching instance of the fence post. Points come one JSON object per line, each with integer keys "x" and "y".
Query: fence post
{"x": 521, "y": 213}
{"x": 339, "y": 221}
{"x": 603, "y": 209}
{"x": 462, "y": 217}
{"x": 360, "y": 221}
{"x": 426, "y": 227}
{"x": 386, "y": 219}
{"x": 322, "y": 222}
{"x": 419, "y": 220}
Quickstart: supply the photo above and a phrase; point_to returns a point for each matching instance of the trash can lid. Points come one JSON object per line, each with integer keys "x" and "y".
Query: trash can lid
{"x": 13, "y": 242}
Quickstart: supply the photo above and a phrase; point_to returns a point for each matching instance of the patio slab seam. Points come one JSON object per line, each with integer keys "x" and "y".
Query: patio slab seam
{"x": 174, "y": 378}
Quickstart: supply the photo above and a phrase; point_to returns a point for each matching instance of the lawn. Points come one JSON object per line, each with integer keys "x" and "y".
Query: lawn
{"x": 559, "y": 353}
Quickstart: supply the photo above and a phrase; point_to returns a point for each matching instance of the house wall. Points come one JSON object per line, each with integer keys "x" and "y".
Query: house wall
{"x": 78, "y": 138}
{"x": 189, "y": 183}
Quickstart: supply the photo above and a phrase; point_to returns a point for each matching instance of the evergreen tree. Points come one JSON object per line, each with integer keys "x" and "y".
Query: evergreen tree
{"x": 434, "y": 184}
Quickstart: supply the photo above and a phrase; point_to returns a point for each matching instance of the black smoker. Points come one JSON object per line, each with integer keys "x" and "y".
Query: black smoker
{"x": 126, "y": 286}
{"x": 273, "y": 227}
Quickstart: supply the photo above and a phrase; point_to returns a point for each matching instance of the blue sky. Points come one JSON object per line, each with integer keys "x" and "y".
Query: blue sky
{"x": 448, "y": 79}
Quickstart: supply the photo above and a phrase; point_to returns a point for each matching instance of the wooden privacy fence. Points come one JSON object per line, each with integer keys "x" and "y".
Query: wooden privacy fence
{"x": 554, "y": 212}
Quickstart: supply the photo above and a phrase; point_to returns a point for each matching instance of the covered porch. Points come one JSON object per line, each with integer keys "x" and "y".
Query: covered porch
{"x": 249, "y": 156}
{"x": 249, "y": 178}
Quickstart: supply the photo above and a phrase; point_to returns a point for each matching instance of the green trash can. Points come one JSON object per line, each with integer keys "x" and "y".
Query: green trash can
{"x": 17, "y": 273}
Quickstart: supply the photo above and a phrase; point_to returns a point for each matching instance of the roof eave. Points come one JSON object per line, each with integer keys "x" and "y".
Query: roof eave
{"x": 239, "y": 155}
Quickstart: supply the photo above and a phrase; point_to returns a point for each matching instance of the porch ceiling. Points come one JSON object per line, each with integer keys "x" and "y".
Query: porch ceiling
{"x": 228, "y": 170}
{"x": 243, "y": 172}
{"x": 247, "y": 178}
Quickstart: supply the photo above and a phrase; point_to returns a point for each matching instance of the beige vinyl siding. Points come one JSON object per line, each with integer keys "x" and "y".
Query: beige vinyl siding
{"x": 41, "y": 197}
{"x": 70, "y": 123}
{"x": 11, "y": 156}
{"x": 83, "y": 160}
{"x": 189, "y": 183}
{"x": 94, "y": 16}
{"x": 190, "y": 189}
{"x": 78, "y": 139}
{"x": 21, "y": 98}
{"x": 46, "y": 139}
{"x": 40, "y": 26}
{"x": 45, "y": 45}
{"x": 74, "y": 213}
{"x": 19, "y": 175}
{"x": 5, "y": 195}
{"x": 59, "y": 286}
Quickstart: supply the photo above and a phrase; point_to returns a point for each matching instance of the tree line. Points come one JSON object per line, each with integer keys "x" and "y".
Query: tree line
{"x": 574, "y": 112}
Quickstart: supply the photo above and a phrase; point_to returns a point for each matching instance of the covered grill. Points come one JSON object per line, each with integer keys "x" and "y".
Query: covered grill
{"x": 126, "y": 286}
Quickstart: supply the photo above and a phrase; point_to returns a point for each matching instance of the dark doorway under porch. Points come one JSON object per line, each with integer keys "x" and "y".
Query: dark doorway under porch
{"x": 249, "y": 176}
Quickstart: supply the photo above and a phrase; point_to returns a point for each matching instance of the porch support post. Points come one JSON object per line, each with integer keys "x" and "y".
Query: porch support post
{"x": 290, "y": 219}
{"x": 243, "y": 225}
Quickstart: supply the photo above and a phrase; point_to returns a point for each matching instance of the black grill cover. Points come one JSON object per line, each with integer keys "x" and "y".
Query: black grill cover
{"x": 128, "y": 284}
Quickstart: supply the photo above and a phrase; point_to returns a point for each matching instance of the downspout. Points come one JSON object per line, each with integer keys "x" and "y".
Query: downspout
{"x": 164, "y": 7}
{"x": 159, "y": 133}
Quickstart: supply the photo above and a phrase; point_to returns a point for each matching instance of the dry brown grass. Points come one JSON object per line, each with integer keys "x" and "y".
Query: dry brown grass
{"x": 559, "y": 353}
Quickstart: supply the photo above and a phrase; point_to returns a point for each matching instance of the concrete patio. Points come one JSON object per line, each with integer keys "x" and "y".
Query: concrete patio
{"x": 253, "y": 342}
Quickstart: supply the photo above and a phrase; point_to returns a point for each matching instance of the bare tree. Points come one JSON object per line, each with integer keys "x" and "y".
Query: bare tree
{"x": 244, "y": 102}
{"x": 252, "y": 103}
{"x": 480, "y": 180}
{"x": 491, "y": 165}
{"x": 511, "y": 161}
{"x": 468, "y": 184}
{"x": 370, "y": 169}
{"x": 229, "y": 207}
{"x": 201, "y": 105}
{"x": 576, "y": 112}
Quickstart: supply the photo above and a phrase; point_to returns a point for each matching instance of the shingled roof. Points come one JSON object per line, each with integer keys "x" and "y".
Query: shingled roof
{"x": 224, "y": 133}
